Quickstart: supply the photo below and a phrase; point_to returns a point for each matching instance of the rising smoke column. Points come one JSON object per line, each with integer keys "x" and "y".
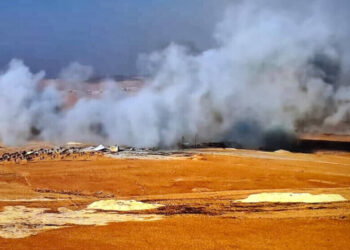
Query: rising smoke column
{"x": 24, "y": 108}
{"x": 276, "y": 67}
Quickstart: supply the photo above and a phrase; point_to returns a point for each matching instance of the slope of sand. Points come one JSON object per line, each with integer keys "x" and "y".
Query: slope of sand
{"x": 193, "y": 199}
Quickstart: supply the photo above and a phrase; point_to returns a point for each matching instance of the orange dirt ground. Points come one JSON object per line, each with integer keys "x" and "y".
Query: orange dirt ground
{"x": 198, "y": 191}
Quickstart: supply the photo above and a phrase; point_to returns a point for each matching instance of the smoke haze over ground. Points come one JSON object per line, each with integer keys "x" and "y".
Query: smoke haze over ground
{"x": 278, "y": 67}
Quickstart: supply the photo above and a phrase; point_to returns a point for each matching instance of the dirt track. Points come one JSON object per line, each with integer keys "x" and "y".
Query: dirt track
{"x": 198, "y": 191}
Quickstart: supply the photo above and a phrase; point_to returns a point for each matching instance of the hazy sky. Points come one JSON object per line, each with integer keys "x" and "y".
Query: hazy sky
{"x": 107, "y": 34}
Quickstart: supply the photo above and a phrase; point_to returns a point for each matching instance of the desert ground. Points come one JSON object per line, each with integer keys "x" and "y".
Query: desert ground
{"x": 182, "y": 199}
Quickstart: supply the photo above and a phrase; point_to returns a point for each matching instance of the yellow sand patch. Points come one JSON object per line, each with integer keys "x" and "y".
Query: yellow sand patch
{"x": 122, "y": 205}
{"x": 292, "y": 197}
{"x": 21, "y": 221}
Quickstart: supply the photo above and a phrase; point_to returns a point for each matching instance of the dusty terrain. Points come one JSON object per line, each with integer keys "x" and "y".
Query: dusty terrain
{"x": 194, "y": 193}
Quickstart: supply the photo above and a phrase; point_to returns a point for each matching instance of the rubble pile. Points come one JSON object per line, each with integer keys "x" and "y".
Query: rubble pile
{"x": 62, "y": 152}
{"x": 70, "y": 152}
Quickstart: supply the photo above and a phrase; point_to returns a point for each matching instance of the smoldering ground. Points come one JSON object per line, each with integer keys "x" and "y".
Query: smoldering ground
{"x": 277, "y": 66}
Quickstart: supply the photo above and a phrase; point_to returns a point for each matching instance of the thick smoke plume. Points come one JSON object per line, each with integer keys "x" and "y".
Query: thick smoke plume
{"x": 276, "y": 67}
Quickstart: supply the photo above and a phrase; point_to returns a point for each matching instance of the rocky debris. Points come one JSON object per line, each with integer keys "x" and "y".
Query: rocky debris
{"x": 62, "y": 152}
{"x": 98, "y": 194}
{"x": 102, "y": 195}
{"x": 66, "y": 192}
{"x": 73, "y": 152}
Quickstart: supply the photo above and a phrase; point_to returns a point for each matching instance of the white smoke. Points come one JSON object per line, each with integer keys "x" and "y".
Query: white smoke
{"x": 24, "y": 108}
{"x": 275, "y": 68}
{"x": 76, "y": 73}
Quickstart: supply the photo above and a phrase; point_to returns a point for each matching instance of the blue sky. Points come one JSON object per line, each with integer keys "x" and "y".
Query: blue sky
{"x": 107, "y": 34}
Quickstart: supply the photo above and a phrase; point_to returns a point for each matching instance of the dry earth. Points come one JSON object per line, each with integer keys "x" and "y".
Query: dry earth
{"x": 193, "y": 194}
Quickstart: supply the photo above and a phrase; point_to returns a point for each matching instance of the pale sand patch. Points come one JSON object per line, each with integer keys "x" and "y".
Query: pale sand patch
{"x": 72, "y": 143}
{"x": 292, "y": 197}
{"x": 201, "y": 190}
{"x": 321, "y": 181}
{"x": 281, "y": 151}
{"x": 114, "y": 149}
{"x": 21, "y": 221}
{"x": 122, "y": 205}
